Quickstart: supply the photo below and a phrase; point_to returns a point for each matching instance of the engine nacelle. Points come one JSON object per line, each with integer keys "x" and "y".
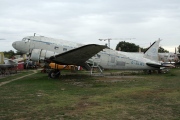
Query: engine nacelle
{"x": 40, "y": 55}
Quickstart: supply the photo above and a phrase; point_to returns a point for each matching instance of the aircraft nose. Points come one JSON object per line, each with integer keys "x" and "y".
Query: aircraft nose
{"x": 14, "y": 45}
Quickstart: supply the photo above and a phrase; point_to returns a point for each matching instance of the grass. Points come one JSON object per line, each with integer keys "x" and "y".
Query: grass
{"x": 84, "y": 97}
{"x": 4, "y": 78}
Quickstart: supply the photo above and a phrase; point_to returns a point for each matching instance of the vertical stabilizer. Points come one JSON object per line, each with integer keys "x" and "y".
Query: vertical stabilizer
{"x": 152, "y": 51}
{"x": 1, "y": 58}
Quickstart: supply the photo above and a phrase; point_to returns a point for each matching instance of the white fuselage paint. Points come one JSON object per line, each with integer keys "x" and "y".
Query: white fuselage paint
{"x": 108, "y": 59}
{"x": 111, "y": 59}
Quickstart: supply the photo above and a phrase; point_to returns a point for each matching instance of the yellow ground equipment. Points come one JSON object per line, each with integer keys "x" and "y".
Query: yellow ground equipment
{"x": 56, "y": 68}
{"x": 64, "y": 67}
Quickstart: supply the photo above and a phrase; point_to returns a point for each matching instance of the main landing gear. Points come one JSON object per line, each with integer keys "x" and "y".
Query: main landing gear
{"x": 54, "y": 73}
{"x": 152, "y": 71}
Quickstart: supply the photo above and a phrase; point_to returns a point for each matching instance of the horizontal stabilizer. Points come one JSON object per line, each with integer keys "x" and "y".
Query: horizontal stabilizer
{"x": 168, "y": 65}
{"x": 77, "y": 56}
{"x": 154, "y": 65}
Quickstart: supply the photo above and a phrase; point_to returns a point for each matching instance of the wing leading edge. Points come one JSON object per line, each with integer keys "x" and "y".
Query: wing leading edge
{"x": 77, "y": 56}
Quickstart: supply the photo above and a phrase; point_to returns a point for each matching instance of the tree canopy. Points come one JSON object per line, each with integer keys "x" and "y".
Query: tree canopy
{"x": 11, "y": 53}
{"x": 162, "y": 50}
{"x": 178, "y": 48}
{"x": 127, "y": 47}
{"x": 131, "y": 47}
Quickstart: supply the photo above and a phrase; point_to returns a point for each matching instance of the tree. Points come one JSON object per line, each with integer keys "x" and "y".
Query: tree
{"x": 127, "y": 47}
{"x": 18, "y": 53}
{"x": 162, "y": 50}
{"x": 131, "y": 47}
{"x": 9, "y": 54}
{"x": 178, "y": 48}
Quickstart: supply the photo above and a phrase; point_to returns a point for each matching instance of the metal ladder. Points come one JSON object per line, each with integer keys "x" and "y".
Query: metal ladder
{"x": 96, "y": 65}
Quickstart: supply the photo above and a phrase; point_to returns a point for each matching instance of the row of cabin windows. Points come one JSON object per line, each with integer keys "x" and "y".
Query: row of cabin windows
{"x": 56, "y": 48}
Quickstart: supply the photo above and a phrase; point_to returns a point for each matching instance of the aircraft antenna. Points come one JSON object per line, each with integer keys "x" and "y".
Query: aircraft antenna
{"x": 37, "y": 34}
{"x": 109, "y": 39}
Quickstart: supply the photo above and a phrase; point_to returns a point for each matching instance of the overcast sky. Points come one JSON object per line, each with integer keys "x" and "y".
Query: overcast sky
{"x": 86, "y": 21}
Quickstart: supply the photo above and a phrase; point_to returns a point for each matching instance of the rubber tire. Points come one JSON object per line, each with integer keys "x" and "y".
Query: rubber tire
{"x": 54, "y": 74}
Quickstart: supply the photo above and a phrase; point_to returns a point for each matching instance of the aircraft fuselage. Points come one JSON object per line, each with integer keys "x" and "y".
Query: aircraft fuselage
{"x": 43, "y": 47}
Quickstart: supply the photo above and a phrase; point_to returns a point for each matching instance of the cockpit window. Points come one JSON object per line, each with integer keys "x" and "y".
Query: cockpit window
{"x": 26, "y": 39}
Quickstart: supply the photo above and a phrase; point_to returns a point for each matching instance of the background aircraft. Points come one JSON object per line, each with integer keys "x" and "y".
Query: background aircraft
{"x": 168, "y": 57}
{"x": 7, "y": 66}
{"x": 69, "y": 53}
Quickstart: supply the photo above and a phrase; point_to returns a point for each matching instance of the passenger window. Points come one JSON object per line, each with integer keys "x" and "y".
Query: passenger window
{"x": 64, "y": 49}
{"x": 56, "y": 48}
{"x": 98, "y": 55}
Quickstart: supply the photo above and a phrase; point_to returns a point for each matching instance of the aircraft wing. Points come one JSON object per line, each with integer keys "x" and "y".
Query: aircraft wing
{"x": 77, "y": 56}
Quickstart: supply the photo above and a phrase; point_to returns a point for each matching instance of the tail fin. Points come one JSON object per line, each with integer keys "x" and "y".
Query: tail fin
{"x": 152, "y": 51}
{"x": 1, "y": 58}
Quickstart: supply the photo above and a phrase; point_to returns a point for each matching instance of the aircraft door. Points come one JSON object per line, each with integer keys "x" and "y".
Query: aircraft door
{"x": 32, "y": 46}
{"x": 112, "y": 61}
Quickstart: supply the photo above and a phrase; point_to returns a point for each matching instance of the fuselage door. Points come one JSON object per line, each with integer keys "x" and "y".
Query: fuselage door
{"x": 31, "y": 45}
{"x": 112, "y": 60}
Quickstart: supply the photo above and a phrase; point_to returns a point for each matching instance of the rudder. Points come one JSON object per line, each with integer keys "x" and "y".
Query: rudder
{"x": 152, "y": 51}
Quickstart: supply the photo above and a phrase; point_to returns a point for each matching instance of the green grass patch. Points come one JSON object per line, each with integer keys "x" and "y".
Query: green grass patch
{"x": 4, "y": 78}
{"x": 155, "y": 96}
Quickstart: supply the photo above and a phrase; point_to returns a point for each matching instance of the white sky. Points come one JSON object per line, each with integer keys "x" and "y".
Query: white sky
{"x": 86, "y": 21}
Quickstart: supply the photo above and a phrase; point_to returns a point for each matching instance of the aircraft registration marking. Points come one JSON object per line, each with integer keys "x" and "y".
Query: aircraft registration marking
{"x": 135, "y": 62}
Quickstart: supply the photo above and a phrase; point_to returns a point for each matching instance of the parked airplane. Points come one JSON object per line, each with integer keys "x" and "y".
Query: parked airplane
{"x": 168, "y": 57}
{"x": 70, "y": 53}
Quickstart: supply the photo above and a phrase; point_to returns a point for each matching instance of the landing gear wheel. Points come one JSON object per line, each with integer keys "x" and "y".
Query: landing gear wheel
{"x": 149, "y": 72}
{"x": 54, "y": 74}
{"x": 159, "y": 71}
